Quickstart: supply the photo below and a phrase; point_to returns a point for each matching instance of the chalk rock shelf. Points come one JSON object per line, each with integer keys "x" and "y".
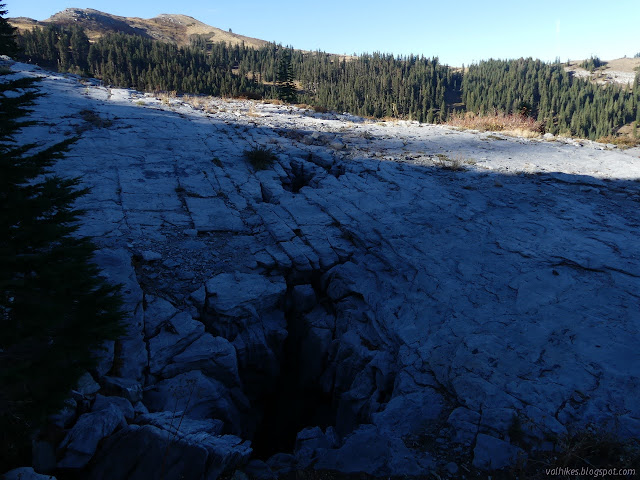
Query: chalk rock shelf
{"x": 359, "y": 297}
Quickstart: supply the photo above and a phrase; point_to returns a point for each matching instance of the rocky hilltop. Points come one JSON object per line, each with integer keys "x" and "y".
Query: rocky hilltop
{"x": 391, "y": 298}
{"x": 166, "y": 27}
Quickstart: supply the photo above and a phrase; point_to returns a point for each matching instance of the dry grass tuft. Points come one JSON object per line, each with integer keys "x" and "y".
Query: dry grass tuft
{"x": 260, "y": 157}
{"x": 620, "y": 142}
{"x": 456, "y": 163}
{"x": 166, "y": 97}
{"x": 248, "y": 96}
{"x": 93, "y": 120}
{"x": 252, "y": 112}
{"x": 588, "y": 449}
{"x": 196, "y": 101}
{"x": 315, "y": 108}
{"x": 508, "y": 124}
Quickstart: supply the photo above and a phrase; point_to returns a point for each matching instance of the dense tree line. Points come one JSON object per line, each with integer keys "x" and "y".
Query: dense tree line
{"x": 379, "y": 85}
{"x": 374, "y": 85}
{"x": 561, "y": 102}
{"x": 132, "y": 61}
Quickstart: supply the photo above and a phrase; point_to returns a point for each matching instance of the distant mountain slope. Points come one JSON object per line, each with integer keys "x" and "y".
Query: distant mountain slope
{"x": 165, "y": 27}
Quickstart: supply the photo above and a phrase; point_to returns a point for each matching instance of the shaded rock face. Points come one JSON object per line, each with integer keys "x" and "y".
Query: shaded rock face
{"x": 352, "y": 308}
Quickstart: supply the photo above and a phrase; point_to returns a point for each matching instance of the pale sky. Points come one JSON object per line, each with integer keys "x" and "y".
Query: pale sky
{"x": 457, "y": 32}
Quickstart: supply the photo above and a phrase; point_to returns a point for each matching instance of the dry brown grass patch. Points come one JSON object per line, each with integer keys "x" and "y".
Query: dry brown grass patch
{"x": 248, "y": 96}
{"x": 92, "y": 120}
{"x": 508, "y": 124}
{"x": 455, "y": 163}
{"x": 620, "y": 142}
{"x": 196, "y": 101}
{"x": 252, "y": 112}
{"x": 166, "y": 97}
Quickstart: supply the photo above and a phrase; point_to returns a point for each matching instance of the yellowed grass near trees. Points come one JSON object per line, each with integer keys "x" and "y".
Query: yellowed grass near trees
{"x": 508, "y": 124}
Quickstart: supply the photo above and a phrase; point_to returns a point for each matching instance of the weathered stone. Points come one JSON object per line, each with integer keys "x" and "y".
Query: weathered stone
{"x": 259, "y": 346}
{"x": 214, "y": 356}
{"x": 309, "y": 441}
{"x": 198, "y": 297}
{"x": 142, "y": 453}
{"x": 465, "y": 422}
{"x": 87, "y": 385}
{"x": 66, "y": 415}
{"x": 177, "y": 423}
{"x": 198, "y": 396}
{"x": 104, "y": 356}
{"x": 316, "y": 335}
{"x": 212, "y": 215}
{"x": 426, "y": 406}
{"x": 174, "y": 336}
{"x": 25, "y": 473}
{"x": 122, "y": 387}
{"x": 150, "y": 256}
{"x": 117, "y": 268}
{"x": 491, "y": 453}
{"x": 303, "y": 298}
{"x": 122, "y": 404}
{"x": 451, "y": 468}
{"x": 157, "y": 311}
{"x": 259, "y": 470}
{"x": 242, "y": 294}
{"x": 369, "y": 451}
{"x": 82, "y": 441}
{"x": 281, "y": 463}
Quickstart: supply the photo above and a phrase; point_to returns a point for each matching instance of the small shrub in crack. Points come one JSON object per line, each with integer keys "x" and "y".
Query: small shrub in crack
{"x": 260, "y": 157}
{"x": 92, "y": 120}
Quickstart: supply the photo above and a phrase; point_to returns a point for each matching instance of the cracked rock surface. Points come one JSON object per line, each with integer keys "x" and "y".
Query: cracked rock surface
{"x": 426, "y": 279}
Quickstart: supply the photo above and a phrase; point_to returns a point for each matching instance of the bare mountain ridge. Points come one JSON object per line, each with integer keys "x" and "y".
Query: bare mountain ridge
{"x": 165, "y": 27}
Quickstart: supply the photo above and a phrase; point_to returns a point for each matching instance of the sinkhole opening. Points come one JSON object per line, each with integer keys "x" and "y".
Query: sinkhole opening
{"x": 302, "y": 394}
{"x": 287, "y": 410}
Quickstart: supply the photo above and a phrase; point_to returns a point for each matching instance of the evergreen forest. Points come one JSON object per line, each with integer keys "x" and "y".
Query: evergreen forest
{"x": 375, "y": 85}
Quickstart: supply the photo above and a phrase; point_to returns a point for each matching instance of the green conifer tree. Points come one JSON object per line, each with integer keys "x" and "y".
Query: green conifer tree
{"x": 55, "y": 309}
{"x": 8, "y": 44}
{"x": 284, "y": 79}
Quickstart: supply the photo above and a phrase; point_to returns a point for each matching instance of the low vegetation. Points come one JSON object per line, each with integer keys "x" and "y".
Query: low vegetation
{"x": 260, "y": 158}
{"x": 620, "y": 141}
{"x": 592, "y": 63}
{"x": 585, "y": 450}
{"x": 508, "y": 124}
{"x": 92, "y": 120}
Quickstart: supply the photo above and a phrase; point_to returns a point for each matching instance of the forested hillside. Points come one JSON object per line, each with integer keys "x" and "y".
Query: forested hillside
{"x": 562, "y": 103}
{"x": 375, "y": 85}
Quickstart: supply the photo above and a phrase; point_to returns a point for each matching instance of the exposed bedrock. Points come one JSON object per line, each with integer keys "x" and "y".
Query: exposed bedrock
{"x": 353, "y": 307}
{"x": 359, "y": 367}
